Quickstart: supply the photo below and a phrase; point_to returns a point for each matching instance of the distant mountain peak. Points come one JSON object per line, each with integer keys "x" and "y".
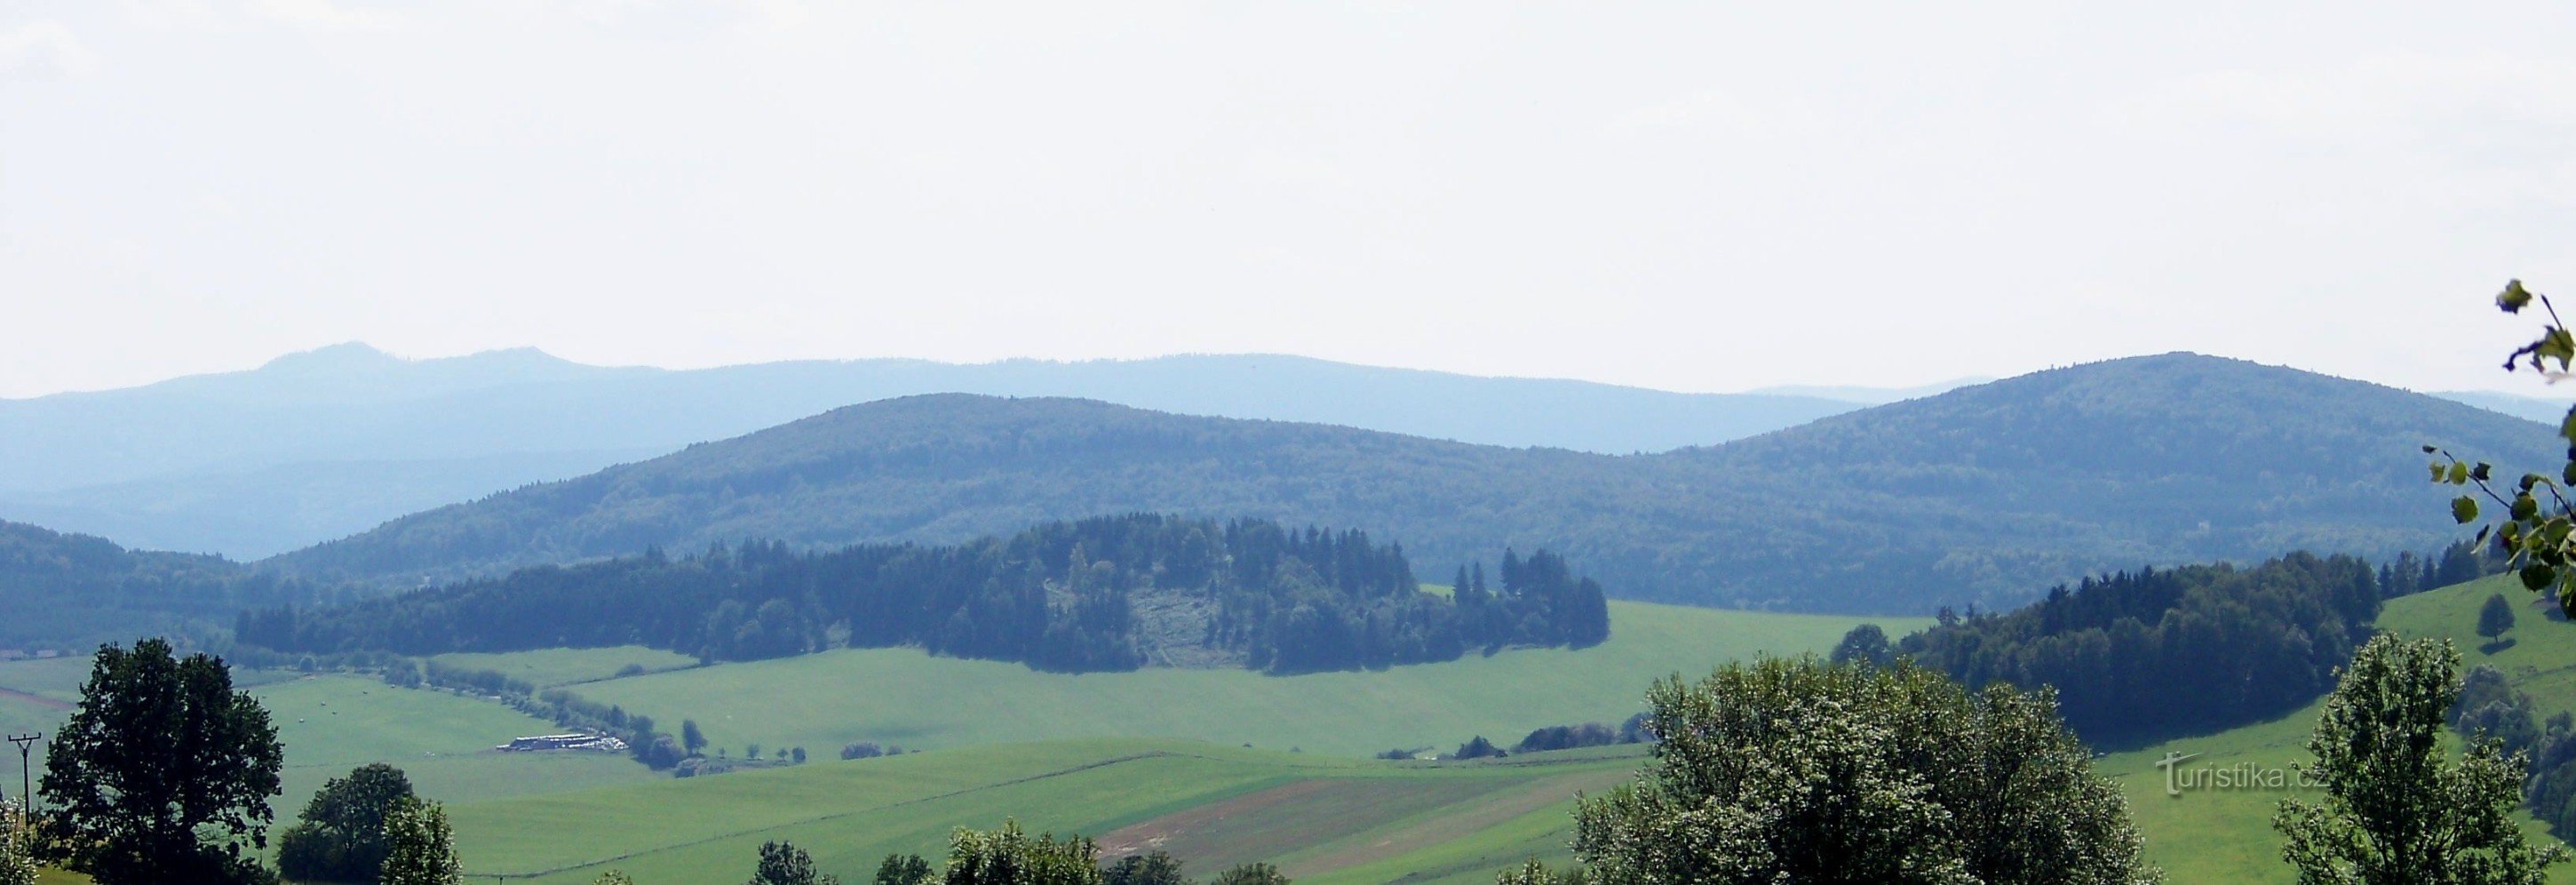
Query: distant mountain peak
{"x": 336, "y": 357}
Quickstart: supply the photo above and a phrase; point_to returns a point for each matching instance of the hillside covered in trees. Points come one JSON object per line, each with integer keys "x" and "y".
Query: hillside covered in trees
{"x": 2159, "y": 652}
{"x": 320, "y": 444}
{"x": 65, "y": 591}
{"x": 1984, "y": 495}
{"x": 1112, "y": 593}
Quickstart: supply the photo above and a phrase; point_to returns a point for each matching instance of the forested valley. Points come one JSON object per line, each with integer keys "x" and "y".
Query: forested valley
{"x": 1112, "y": 593}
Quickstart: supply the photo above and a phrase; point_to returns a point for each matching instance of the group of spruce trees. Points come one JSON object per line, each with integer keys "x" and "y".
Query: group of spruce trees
{"x": 1060, "y": 596}
{"x": 2159, "y": 652}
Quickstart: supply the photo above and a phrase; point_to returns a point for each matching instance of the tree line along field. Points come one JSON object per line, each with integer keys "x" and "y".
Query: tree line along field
{"x": 330, "y": 723}
{"x": 903, "y": 697}
{"x": 1063, "y": 762}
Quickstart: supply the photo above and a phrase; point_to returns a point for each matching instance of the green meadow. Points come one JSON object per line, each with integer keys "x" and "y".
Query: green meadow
{"x": 902, "y": 696}
{"x": 1156, "y": 758}
{"x": 548, "y": 668}
{"x": 2213, "y": 834}
{"x": 1322, "y": 819}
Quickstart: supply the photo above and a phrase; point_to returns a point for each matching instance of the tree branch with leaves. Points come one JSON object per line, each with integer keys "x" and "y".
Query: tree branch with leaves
{"x": 2537, "y": 535}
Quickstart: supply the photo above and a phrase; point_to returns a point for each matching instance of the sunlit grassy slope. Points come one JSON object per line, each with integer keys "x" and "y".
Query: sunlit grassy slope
{"x": 546, "y": 668}
{"x": 2210, "y": 835}
{"x": 332, "y": 723}
{"x": 902, "y": 696}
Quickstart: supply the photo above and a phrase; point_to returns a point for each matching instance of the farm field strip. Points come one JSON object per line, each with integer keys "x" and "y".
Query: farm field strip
{"x": 853, "y": 813}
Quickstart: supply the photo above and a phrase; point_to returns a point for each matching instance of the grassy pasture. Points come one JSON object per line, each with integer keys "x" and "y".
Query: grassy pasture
{"x": 2225, "y": 835}
{"x": 902, "y": 696}
{"x": 547, "y": 668}
{"x": 332, "y": 723}
{"x": 1324, "y": 820}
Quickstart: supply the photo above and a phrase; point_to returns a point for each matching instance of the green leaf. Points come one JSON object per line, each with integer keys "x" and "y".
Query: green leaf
{"x": 2479, "y": 472}
{"x": 2536, "y": 576}
{"x": 2514, "y": 297}
{"x": 2464, "y": 509}
{"x": 2525, "y": 506}
{"x": 2459, "y": 473}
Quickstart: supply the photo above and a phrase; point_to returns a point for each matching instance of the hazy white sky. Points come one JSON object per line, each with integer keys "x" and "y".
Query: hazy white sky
{"x": 1684, "y": 196}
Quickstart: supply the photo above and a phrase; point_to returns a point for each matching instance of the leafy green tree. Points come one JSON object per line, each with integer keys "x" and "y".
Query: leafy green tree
{"x": 1157, "y": 868}
{"x": 162, "y": 756}
{"x": 2495, "y": 617}
{"x": 692, "y": 740}
{"x": 1250, "y": 874}
{"x": 1476, "y": 748}
{"x": 1865, "y": 644}
{"x": 903, "y": 869}
{"x": 1797, "y": 771}
{"x": 1008, "y": 856}
{"x": 340, "y": 837}
{"x": 420, "y": 848}
{"x": 17, "y": 848}
{"x": 1535, "y": 873}
{"x": 2396, "y": 808}
{"x": 782, "y": 863}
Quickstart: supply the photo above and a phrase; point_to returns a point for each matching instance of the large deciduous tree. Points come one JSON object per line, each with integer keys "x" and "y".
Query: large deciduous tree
{"x": 1008, "y": 856}
{"x": 2396, "y": 809}
{"x": 783, "y": 863}
{"x": 162, "y": 773}
{"x": 1865, "y": 644}
{"x": 340, "y": 837}
{"x": 1799, "y": 771}
{"x": 2495, "y": 617}
{"x": 420, "y": 848}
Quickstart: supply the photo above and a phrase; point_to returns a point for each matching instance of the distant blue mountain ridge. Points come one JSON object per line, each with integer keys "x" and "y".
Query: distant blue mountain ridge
{"x": 325, "y": 443}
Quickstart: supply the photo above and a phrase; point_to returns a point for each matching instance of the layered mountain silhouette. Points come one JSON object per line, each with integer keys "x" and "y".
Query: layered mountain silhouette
{"x": 317, "y": 445}
{"x": 1985, "y": 494}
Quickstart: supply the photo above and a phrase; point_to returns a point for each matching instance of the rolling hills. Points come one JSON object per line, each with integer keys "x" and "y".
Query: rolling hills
{"x": 320, "y": 444}
{"x": 1984, "y": 495}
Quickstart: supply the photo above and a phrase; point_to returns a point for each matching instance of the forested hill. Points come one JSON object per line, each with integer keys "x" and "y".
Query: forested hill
{"x": 320, "y": 444}
{"x": 1112, "y": 593}
{"x": 1987, "y": 494}
{"x": 62, "y": 591}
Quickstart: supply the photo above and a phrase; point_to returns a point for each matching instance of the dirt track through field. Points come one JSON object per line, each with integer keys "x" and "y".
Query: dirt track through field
{"x": 38, "y": 700}
{"x": 1155, "y": 834}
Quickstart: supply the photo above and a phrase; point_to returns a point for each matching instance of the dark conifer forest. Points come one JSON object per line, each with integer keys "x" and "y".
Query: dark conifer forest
{"x": 1111, "y": 593}
{"x": 2159, "y": 652}
{"x": 65, "y": 590}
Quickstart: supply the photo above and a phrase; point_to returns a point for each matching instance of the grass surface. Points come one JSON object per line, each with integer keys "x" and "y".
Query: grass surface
{"x": 902, "y": 696}
{"x": 2225, "y": 835}
{"x": 566, "y": 666}
{"x": 1323, "y": 820}
{"x": 332, "y": 723}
